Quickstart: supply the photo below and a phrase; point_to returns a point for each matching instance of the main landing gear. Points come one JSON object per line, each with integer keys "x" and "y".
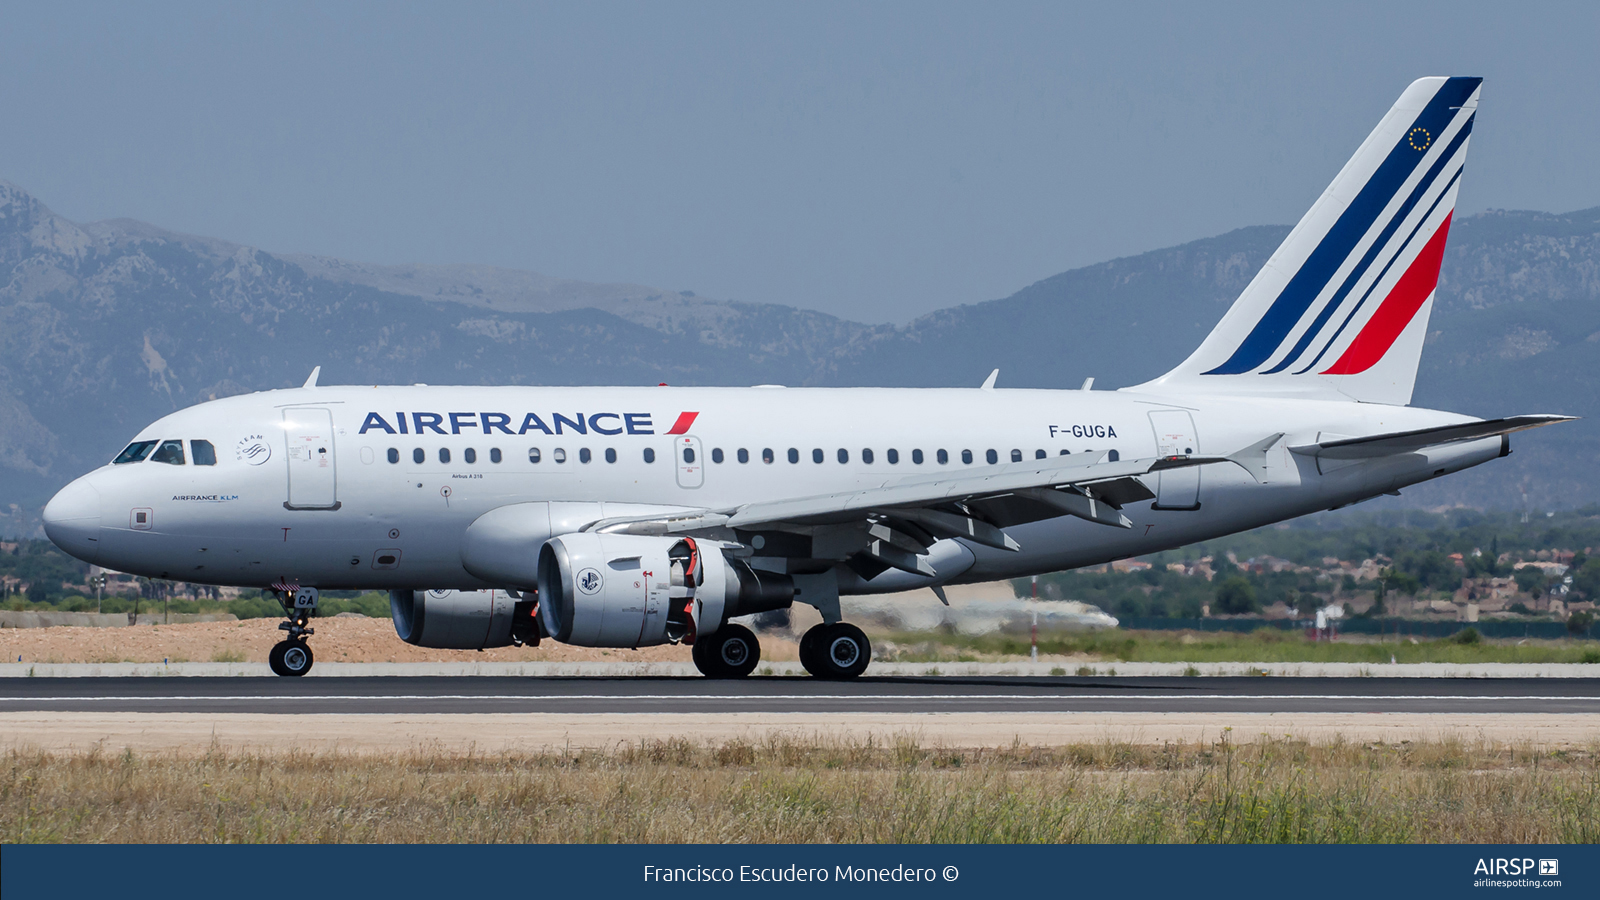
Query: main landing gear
{"x": 732, "y": 651}
{"x": 836, "y": 651}
{"x": 292, "y": 657}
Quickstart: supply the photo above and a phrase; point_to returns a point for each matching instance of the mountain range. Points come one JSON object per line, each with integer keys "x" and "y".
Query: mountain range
{"x": 106, "y": 326}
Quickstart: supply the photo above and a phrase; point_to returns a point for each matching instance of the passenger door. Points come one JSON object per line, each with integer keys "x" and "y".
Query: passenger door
{"x": 689, "y": 460}
{"x": 1175, "y": 436}
{"x": 308, "y": 434}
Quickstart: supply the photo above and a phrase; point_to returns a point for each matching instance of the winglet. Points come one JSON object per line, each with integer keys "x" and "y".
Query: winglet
{"x": 311, "y": 382}
{"x": 988, "y": 383}
{"x": 1253, "y": 459}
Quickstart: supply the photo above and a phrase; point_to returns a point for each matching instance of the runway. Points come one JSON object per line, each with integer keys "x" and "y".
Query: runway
{"x": 634, "y": 696}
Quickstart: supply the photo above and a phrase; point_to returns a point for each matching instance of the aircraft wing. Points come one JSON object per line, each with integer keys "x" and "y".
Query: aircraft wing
{"x": 893, "y": 524}
{"x": 1408, "y": 441}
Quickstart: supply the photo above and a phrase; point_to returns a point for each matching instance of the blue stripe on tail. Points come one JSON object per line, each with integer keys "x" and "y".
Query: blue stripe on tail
{"x": 1308, "y": 282}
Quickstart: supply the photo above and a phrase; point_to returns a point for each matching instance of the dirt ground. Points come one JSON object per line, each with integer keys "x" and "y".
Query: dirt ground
{"x": 337, "y": 639}
{"x": 197, "y": 733}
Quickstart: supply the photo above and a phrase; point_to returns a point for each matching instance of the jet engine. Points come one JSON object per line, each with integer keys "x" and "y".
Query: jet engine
{"x": 620, "y": 590}
{"x": 463, "y": 620}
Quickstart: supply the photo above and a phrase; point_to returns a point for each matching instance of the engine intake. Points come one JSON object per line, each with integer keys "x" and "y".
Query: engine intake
{"x": 619, "y": 590}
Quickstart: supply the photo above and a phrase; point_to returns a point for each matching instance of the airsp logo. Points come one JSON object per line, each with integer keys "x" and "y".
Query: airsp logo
{"x": 589, "y": 581}
{"x": 254, "y": 450}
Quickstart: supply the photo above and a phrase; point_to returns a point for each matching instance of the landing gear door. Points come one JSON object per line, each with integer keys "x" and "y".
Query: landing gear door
{"x": 1175, "y": 436}
{"x": 308, "y": 434}
{"x": 690, "y": 461}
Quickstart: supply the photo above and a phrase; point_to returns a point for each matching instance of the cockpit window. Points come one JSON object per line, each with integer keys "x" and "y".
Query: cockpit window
{"x": 169, "y": 452}
{"x": 204, "y": 454}
{"x": 136, "y": 452}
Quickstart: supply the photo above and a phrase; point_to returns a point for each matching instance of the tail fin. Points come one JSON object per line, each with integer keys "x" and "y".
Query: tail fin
{"x": 1341, "y": 309}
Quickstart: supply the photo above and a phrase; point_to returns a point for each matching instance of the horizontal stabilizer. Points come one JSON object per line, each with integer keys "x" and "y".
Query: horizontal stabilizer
{"x": 1407, "y": 441}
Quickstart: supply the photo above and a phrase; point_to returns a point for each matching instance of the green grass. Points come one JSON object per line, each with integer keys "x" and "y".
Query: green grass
{"x": 1267, "y": 645}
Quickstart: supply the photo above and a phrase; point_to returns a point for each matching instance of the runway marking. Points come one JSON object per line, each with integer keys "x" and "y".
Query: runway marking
{"x": 830, "y": 697}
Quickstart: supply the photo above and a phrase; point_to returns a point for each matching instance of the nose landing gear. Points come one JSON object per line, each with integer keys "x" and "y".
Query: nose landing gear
{"x": 292, "y": 657}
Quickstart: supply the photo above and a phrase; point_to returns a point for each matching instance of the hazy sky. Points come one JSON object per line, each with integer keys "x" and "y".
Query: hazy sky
{"x": 873, "y": 160}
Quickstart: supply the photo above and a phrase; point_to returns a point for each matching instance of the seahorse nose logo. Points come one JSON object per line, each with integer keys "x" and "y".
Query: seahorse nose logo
{"x": 589, "y": 581}
{"x": 253, "y": 450}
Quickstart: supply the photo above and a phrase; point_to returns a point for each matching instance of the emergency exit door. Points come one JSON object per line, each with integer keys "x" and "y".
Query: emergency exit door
{"x": 1176, "y": 488}
{"x": 308, "y": 434}
{"x": 691, "y": 468}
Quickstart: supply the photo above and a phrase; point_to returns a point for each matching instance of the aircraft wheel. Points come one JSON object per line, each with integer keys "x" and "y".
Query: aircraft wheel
{"x": 731, "y": 652}
{"x": 702, "y": 659}
{"x": 836, "y": 651}
{"x": 808, "y": 647}
{"x": 290, "y": 658}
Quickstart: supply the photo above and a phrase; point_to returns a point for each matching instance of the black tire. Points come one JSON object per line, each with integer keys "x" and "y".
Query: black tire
{"x": 808, "y": 649}
{"x": 732, "y": 652}
{"x": 290, "y": 659}
{"x": 702, "y": 659}
{"x": 840, "y": 652}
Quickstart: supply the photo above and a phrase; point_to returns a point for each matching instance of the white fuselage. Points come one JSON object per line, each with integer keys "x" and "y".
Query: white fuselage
{"x": 287, "y": 502}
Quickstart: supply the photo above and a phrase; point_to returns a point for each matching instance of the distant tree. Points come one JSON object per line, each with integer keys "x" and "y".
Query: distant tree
{"x": 1529, "y": 580}
{"x": 1586, "y": 579}
{"x": 1580, "y": 622}
{"x": 1236, "y": 595}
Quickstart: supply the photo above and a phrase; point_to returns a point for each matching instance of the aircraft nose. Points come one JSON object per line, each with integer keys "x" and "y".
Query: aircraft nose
{"x": 72, "y": 520}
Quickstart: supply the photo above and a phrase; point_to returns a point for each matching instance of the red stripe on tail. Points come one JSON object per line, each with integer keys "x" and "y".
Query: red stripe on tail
{"x": 684, "y": 423}
{"x": 1397, "y": 310}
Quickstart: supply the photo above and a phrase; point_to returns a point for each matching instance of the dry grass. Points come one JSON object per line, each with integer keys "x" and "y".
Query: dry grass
{"x": 821, "y": 791}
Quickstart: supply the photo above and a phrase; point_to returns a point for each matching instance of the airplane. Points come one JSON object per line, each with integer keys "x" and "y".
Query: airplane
{"x": 635, "y": 516}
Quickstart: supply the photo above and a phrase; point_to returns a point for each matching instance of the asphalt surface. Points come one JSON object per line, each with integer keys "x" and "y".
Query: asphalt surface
{"x": 402, "y": 695}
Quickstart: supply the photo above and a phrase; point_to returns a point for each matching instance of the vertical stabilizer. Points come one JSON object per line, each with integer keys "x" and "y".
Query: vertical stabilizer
{"x": 1341, "y": 309}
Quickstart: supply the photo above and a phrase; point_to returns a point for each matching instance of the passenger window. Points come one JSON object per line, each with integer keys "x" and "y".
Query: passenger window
{"x": 893, "y": 457}
{"x": 966, "y": 457}
{"x": 716, "y": 454}
{"x": 559, "y": 455}
{"x": 767, "y": 456}
{"x": 1016, "y": 456}
{"x": 916, "y": 457}
{"x": 794, "y": 455}
{"x": 866, "y": 456}
{"x": 688, "y": 454}
{"x": 611, "y": 454}
{"x": 418, "y": 455}
{"x": 649, "y": 455}
{"x": 444, "y": 454}
{"x": 394, "y": 455}
{"x": 135, "y": 452}
{"x": 583, "y": 455}
{"x": 844, "y": 456}
{"x": 816, "y": 455}
{"x": 170, "y": 452}
{"x": 992, "y": 457}
{"x": 470, "y": 455}
{"x": 1066, "y": 453}
{"x": 533, "y": 454}
{"x": 1113, "y": 456}
{"x": 494, "y": 454}
{"x": 206, "y": 455}
{"x": 744, "y": 455}
{"x": 1039, "y": 454}
{"x": 942, "y": 456}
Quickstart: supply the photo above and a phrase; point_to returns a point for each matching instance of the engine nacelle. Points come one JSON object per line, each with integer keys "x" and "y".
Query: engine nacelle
{"x": 621, "y": 590}
{"x": 462, "y": 620}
